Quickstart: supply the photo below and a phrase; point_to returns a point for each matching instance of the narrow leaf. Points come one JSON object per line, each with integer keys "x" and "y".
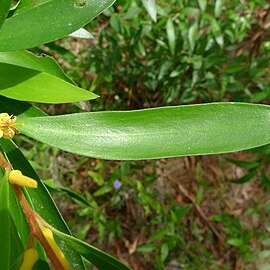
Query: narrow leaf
{"x": 21, "y": 31}
{"x": 171, "y": 35}
{"x": 150, "y": 6}
{"x": 193, "y": 35}
{"x": 32, "y": 85}
{"x": 244, "y": 179}
{"x": 97, "y": 257}
{"x": 245, "y": 164}
{"x": 156, "y": 133}
{"x": 218, "y": 7}
{"x": 202, "y": 4}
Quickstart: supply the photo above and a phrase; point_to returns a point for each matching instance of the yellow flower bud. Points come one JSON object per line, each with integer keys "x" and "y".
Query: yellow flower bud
{"x": 16, "y": 177}
{"x": 7, "y": 126}
{"x": 30, "y": 257}
{"x": 56, "y": 249}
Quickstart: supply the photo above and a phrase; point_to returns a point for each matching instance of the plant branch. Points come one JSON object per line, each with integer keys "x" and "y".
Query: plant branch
{"x": 35, "y": 229}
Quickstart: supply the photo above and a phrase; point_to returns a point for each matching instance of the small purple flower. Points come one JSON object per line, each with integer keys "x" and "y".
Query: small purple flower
{"x": 117, "y": 184}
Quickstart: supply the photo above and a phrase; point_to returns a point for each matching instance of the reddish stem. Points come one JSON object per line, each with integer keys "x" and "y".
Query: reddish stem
{"x": 31, "y": 215}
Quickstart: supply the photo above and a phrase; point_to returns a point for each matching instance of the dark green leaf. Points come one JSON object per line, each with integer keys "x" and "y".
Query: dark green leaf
{"x": 29, "y": 26}
{"x": 245, "y": 164}
{"x": 265, "y": 180}
{"x": 16, "y": 107}
{"x": 246, "y": 178}
{"x": 97, "y": 257}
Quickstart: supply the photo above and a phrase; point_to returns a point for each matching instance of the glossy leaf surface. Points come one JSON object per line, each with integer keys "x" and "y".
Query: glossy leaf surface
{"x": 32, "y": 85}
{"x": 156, "y": 133}
{"x": 29, "y": 60}
{"x": 31, "y": 25}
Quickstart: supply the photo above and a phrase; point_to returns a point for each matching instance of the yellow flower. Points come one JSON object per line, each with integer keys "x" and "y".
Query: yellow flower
{"x": 7, "y": 126}
{"x": 56, "y": 249}
{"x": 30, "y": 257}
{"x": 17, "y": 178}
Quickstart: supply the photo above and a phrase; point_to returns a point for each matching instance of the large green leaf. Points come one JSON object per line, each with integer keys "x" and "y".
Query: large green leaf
{"x": 31, "y": 85}
{"x": 97, "y": 257}
{"x": 156, "y": 133}
{"x": 29, "y": 60}
{"x": 4, "y": 9}
{"x": 39, "y": 22}
{"x": 41, "y": 200}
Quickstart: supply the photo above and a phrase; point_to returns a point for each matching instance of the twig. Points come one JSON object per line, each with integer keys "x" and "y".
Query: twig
{"x": 199, "y": 210}
{"x": 35, "y": 229}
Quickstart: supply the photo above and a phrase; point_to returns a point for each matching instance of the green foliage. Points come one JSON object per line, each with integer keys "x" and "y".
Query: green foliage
{"x": 197, "y": 51}
{"x": 237, "y": 235}
{"x": 185, "y": 51}
{"x": 77, "y": 13}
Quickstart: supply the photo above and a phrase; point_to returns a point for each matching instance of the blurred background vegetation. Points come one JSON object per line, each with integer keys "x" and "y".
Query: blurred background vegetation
{"x": 205, "y": 212}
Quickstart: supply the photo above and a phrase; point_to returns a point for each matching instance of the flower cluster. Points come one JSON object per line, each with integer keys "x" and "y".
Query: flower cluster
{"x": 7, "y": 126}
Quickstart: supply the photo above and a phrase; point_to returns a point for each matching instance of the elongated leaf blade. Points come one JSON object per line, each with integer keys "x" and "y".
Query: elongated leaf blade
{"x": 46, "y": 21}
{"x": 171, "y": 35}
{"x": 97, "y": 257}
{"x": 156, "y": 133}
{"x": 32, "y": 85}
{"x": 150, "y": 6}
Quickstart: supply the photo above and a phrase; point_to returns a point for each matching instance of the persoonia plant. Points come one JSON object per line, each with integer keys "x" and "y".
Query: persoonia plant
{"x": 32, "y": 232}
